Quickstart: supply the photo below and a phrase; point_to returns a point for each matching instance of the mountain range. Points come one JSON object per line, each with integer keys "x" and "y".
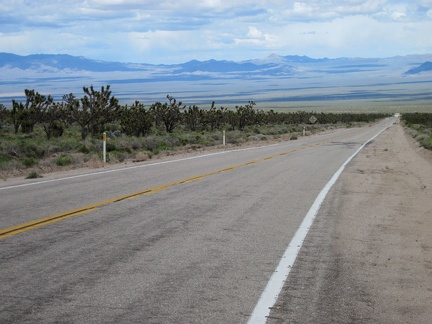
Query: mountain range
{"x": 273, "y": 64}
{"x": 271, "y": 78}
{"x": 425, "y": 67}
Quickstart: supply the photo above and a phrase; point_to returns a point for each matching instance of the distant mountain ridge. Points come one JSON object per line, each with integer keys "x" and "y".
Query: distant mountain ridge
{"x": 274, "y": 78}
{"x": 273, "y": 64}
{"x": 425, "y": 67}
{"x": 68, "y": 62}
{"x": 60, "y": 62}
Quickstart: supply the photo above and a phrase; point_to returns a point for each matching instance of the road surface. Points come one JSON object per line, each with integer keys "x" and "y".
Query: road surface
{"x": 192, "y": 240}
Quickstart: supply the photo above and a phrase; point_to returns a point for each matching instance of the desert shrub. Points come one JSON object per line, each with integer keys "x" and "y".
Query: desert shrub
{"x": 110, "y": 147}
{"x": 33, "y": 175}
{"x": 83, "y": 149}
{"x": 172, "y": 141}
{"x": 152, "y": 143}
{"x": 211, "y": 139}
{"x": 67, "y": 144}
{"x": 412, "y": 132}
{"x": 275, "y": 130}
{"x": 162, "y": 147}
{"x": 64, "y": 160}
{"x": 427, "y": 143}
{"x": 161, "y": 132}
{"x": 136, "y": 144}
{"x": 235, "y": 137}
{"x": 123, "y": 144}
{"x": 190, "y": 138}
{"x": 417, "y": 118}
{"x": 421, "y": 132}
{"x": 217, "y": 137}
{"x": 120, "y": 156}
{"x": 425, "y": 140}
{"x": 422, "y": 137}
{"x": 31, "y": 149}
{"x": 4, "y": 158}
{"x": 28, "y": 162}
{"x": 258, "y": 137}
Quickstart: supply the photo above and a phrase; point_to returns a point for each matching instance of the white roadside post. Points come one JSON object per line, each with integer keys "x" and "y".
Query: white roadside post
{"x": 104, "y": 148}
{"x": 223, "y": 138}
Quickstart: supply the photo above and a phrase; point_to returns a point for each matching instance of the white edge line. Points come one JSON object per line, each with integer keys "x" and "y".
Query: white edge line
{"x": 271, "y": 292}
{"x": 131, "y": 167}
{"x": 135, "y": 167}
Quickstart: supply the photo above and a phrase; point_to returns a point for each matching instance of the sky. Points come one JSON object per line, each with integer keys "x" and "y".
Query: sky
{"x": 177, "y": 31}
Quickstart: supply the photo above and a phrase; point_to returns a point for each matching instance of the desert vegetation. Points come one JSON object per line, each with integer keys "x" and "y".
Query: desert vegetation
{"x": 41, "y": 135}
{"x": 419, "y": 126}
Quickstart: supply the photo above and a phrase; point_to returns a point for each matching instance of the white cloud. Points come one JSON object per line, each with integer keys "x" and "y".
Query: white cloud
{"x": 115, "y": 2}
{"x": 179, "y": 30}
{"x": 254, "y": 33}
{"x": 157, "y": 46}
{"x": 398, "y": 15}
{"x": 360, "y": 7}
{"x": 303, "y": 9}
{"x": 256, "y": 37}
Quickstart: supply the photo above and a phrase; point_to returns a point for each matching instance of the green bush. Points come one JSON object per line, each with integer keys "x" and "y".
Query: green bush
{"x": 4, "y": 158}
{"x": 33, "y": 175}
{"x": 162, "y": 147}
{"x": 83, "y": 149}
{"x": 110, "y": 147}
{"x": 31, "y": 149}
{"x": 235, "y": 137}
{"x": 152, "y": 143}
{"x": 28, "y": 162}
{"x": 121, "y": 156}
{"x": 64, "y": 159}
{"x": 425, "y": 140}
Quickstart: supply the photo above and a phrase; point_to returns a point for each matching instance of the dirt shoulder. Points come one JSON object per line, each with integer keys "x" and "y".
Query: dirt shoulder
{"x": 368, "y": 256}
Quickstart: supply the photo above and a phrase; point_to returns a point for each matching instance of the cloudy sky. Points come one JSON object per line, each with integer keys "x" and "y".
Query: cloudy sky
{"x": 175, "y": 31}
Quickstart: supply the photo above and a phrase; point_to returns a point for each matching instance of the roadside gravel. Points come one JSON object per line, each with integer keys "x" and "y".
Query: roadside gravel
{"x": 368, "y": 256}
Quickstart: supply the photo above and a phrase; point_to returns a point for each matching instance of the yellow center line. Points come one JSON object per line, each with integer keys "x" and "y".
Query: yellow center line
{"x": 86, "y": 209}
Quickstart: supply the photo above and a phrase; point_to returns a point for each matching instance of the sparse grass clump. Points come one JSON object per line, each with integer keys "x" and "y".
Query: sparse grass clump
{"x": 34, "y": 175}
{"x": 83, "y": 149}
{"x": 4, "y": 159}
{"x": 28, "y": 162}
{"x": 64, "y": 159}
{"x": 420, "y": 127}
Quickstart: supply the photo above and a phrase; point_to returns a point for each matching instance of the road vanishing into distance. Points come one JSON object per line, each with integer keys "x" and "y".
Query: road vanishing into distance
{"x": 186, "y": 240}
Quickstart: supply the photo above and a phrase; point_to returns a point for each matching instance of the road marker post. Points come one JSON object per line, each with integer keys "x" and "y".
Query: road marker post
{"x": 223, "y": 138}
{"x": 104, "y": 148}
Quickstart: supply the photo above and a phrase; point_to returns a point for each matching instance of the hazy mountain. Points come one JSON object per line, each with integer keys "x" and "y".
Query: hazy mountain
{"x": 61, "y": 62}
{"x": 271, "y": 65}
{"x": 427, "y": 66}
{"x": 274, "y": 78}
{"x": 289, "y": 59}
{"x": 217, "y": 66}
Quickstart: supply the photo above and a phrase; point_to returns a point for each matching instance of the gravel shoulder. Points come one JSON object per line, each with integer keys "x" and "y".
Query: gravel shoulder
{"x": 368, "y": 256}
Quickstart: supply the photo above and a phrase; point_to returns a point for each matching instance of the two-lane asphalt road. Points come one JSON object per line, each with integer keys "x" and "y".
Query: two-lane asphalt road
{"x": 192, "y": 240}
